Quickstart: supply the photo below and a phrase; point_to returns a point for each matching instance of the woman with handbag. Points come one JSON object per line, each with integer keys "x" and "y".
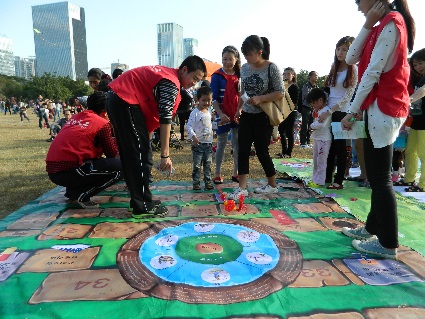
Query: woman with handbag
{"x": 342, "y": 82}
{"x": 258, "y": 75}
{"x": 381, "y": 51}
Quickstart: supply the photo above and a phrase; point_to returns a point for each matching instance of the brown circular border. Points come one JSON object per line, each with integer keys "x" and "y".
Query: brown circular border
{"x": 141, "y": 278}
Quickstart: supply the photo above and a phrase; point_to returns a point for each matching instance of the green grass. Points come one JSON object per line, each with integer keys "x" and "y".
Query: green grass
{"x": 23, "y": 149}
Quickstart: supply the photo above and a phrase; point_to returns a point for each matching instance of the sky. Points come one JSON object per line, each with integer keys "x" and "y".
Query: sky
{"x": 302, "y": 33}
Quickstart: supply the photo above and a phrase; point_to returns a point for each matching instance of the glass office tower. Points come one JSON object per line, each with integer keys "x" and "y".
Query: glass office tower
{"x": 170, "y": 44}
{"x": 60, "y": 40}
{"x": 190, "y": 45}
{"x": 7, "y": 64}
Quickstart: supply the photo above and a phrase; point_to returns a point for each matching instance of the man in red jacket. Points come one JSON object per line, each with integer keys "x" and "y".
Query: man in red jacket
{"x": 140, "y": 101}
{"x": 74, "y": 159}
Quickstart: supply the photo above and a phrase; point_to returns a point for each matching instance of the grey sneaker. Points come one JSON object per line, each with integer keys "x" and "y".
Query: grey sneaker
{"x": 266, "y": 189}
{"x": 357, "y": 233}
{"x": 237, "y": 192}
{"x": 87, "y": 204}
{"x": 373, "y": 246}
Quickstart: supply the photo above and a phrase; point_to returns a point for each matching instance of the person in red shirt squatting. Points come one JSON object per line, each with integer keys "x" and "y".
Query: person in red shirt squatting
{"x": 383, "y": 98}
{"x": 140, "y": 101}
{"x": 74, "y": 159}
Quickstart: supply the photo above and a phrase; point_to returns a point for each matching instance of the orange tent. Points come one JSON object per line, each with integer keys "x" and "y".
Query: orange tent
{"x": 211, "y": 68}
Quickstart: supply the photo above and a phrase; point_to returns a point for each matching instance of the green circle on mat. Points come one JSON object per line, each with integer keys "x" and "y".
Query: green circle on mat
{"x": 212, "y": 249}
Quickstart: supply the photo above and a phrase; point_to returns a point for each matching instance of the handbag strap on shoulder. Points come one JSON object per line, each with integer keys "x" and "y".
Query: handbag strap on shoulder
{"x": 270, "y": 86}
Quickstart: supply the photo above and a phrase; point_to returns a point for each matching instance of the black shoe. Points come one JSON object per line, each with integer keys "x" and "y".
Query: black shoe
{"x": 196, "y": 187}
{"x": 88, "y": 204}
{"x": 155, "y": 202}
{"x": 157, "y": 211}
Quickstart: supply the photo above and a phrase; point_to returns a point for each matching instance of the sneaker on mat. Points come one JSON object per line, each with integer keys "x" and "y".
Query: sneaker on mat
{"x": 218, "y": 180}
{"x": 237, "y": 192}
{"x": 156, "y": 211}
{"x": 155, "y": 202}
{"x": 266, "y": 189}
{"x": 357, "y": 233}
{"x": 373, "y": 246}
{"x": 209, "y": 186}
{"x": 87, "y": 204}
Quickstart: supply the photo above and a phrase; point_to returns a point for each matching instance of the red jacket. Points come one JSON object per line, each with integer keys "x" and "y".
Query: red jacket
{"x": 391, "y": 90}
{"x": 75, "y": 142}
{"x": 136, "y": 87}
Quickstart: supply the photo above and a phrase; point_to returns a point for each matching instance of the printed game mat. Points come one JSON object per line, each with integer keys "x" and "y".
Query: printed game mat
{"x": 267, "y": 256}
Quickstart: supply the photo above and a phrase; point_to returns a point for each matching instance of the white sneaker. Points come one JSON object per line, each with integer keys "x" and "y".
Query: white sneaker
{"x": 266, "y": 189}
{"x": 237, "y": 192}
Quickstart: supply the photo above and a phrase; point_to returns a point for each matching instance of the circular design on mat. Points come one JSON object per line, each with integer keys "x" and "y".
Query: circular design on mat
{"x": 209, "y": 260}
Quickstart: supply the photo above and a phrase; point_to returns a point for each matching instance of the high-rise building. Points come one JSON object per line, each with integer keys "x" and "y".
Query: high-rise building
{"x": 170, "y": 44}
{"x": 190, "y": 47}
{"x": 7, "y": 65}
{"x": 60, "y": 40}
{"x": 25, "y": 67}
{"x": 118, "y": 65}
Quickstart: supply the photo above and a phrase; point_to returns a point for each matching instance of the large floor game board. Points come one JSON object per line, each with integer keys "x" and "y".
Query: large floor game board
{"x": 273, "y": 256}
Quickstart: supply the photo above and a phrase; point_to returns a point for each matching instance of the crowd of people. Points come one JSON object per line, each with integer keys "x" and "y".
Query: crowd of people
{"x": 116, "y": 124}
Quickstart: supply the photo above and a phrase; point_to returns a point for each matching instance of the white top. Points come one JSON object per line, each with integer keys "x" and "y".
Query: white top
{"x": 322, "y": 131}
{"x": 383, "y": 129}
{"x": 199, "y": 125}
{"x": 339, "y": 95}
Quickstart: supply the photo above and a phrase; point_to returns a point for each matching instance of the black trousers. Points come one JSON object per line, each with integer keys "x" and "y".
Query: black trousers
{"x": 286, "y": 131}
{"x": 337, "y": 155}
{"x": 307, "y": 119}
{"x": 382, "y": 219}
{"x": 255, "y": 128}
{"x": 89, "y": 179}
{"x": 183, "y": 117}
{"x": 135, "y": 151}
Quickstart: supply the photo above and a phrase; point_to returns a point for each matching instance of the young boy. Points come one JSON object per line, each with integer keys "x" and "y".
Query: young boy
{"x": 199, "y": 130}
{"x": 322, "y": 136}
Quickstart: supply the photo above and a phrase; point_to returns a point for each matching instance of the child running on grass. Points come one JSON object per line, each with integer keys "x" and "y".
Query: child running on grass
{"x": 199, "y": 130}
{"x": 321, "y": 135}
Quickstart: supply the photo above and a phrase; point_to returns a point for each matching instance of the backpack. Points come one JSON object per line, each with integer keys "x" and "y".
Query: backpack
{"x": 229, "y": 105}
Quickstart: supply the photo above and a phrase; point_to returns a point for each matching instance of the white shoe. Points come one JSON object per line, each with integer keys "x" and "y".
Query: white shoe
{"x": 237, "y": 192}
{"x": 266, "y": 189}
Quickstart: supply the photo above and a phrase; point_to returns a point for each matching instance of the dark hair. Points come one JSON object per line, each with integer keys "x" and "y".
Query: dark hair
{"x": 311, "y": 73}
{"x": 103, "y": 85}
{"x": 193, "y": 63}
{"x": 97, "y": 102}
{"x": 203, "y": 90}
{"x": 254, "y": 43}
{"x": 293, "y": 73}
{"x": 96, "y": 72}
{"x": 415, "y": 77}
{"x": 235, "y": 52}
{"x": 316, "y": 94}
{"x": 349, "y": 78}
{"x": 205, "y": 83}
{"x": 72, "y": 100}
{"x": 117, "y": 72}
{"x": 403, "y": 8}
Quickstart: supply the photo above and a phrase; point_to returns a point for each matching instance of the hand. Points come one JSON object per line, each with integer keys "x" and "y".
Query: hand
{"x": 223, "y": 119}
{"x": 166, "y": 165}
{"x": 374, "y": 15}
{"x": 255, "y": 100}
{"x": 323, "y": 117}
{"x": 237, "y": 116}
{"x": 195, "y": 141}
{"x": 347, "y": 122}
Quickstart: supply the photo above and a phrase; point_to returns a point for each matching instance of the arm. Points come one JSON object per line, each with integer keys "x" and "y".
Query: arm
{"x": 166, "y": 94}
{"x": 216, "y": 87}
{"x": 190, "y": 127}
{"x": 419, "y": 93}
{"x": 107, "y": 143}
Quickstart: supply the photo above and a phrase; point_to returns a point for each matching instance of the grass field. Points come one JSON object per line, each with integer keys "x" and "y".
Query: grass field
{"x": 24, "y": 147}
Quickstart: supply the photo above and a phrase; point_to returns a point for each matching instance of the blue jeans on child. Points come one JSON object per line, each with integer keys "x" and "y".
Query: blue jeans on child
{"x": 202, "y": 156}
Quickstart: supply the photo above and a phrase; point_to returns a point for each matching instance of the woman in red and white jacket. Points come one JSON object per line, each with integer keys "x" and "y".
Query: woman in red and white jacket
{"x": 74, "y": 159}
{"x": 383, "y": 97}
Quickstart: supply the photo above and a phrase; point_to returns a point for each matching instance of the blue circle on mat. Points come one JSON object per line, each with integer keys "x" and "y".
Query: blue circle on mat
{"x": 260, "y": 255}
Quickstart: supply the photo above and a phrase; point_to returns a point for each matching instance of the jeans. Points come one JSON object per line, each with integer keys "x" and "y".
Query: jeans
{"x": 307, "y": 119}
{"x": 202, "y": 156}
{"x": 221, "y": 145}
